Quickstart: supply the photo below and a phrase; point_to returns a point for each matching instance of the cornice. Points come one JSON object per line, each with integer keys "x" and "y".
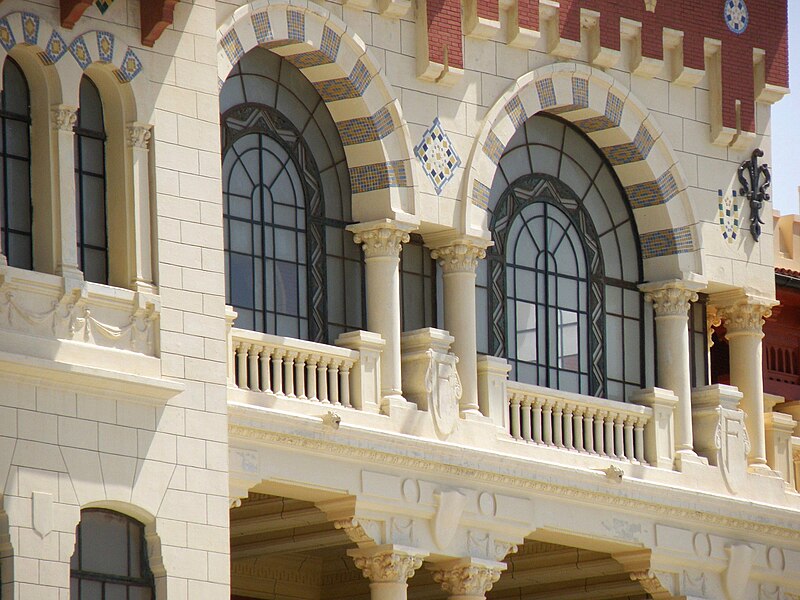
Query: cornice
{"x": 631, "y": 505}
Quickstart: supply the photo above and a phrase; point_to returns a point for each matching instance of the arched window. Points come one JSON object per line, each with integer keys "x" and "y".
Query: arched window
{"x": 291, "y": 267}
{"x": 558, "y": 294}
{"x": 90, "y": 184}
{"x": 15, "y": 168}
{"x": 110, "y": 559}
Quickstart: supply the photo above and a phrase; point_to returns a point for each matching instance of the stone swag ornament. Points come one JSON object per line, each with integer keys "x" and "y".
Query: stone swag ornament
{"x": 755, "y": 190}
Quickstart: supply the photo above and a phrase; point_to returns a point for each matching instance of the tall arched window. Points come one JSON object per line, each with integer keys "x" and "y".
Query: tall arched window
{"x": 15, "y": 168}
{"x": 291, "y": 267}
{"x": 110, "y": 559}
{"x": 558, "y": 294}
{"x": 90, "y": 184}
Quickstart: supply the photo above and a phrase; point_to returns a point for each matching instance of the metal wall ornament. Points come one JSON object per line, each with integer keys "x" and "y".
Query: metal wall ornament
{"x": 755, "y": 190}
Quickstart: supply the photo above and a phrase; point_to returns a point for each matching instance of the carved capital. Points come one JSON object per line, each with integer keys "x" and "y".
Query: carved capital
{"x": 138, "y": 135}
{"x": 745, "y": 318}
{"x": 468, "y": 577}
{"x": 671, "y": 301}
{"x": 385, "y": 239}
{"x": 713, "y": 320}
{"x": 649, "y": 582}
{"x": 64, "y": 117}
{"x": 459, "y": 257}
{"x": 387, "y": 564}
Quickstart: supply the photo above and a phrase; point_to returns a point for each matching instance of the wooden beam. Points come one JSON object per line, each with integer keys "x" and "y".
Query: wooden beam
{"x": 157, "y": 15}
{"x": 71, "y": 11}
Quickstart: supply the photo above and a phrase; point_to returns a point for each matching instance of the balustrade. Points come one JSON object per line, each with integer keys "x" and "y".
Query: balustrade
{"x": 577, "y": 423}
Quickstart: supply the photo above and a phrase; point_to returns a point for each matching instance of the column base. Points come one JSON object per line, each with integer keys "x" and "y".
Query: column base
{"x": 764, "y": 470}
{"x": 686, "y": 459}
{"x": 395, "y": 402}
{"x": 474, "y": 414}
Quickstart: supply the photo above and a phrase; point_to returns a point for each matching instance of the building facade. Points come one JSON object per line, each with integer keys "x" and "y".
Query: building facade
{"x": 382, "y": 299}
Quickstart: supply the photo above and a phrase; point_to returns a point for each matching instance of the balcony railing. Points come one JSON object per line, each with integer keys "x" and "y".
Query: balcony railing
{"x": 578, "y": 423}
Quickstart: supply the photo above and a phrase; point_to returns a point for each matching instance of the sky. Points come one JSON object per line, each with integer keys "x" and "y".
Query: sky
{"x": 786, "y": 128}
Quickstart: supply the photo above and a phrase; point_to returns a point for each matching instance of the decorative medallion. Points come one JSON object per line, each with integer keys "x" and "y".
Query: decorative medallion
{"x": 131, "y": 66}
{"x": 56, "y": 48}
{"x": 6, "y": 35}
{"x": 729, "y": 216}
{"x": 80, "y": 52}
{"x": 103, "y": 5}
{"x": 105, "y": 46}
{"x": 438, "y": 156}
{"x": 30, "y": 28}
{"x": 737, "y": 18}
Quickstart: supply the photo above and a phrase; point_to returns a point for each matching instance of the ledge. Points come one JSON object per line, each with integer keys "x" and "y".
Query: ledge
{"x": 99, "y": 382}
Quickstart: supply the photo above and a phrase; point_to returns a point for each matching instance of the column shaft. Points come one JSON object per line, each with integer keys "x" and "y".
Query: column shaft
{"x": 138, "y": 139}
{"x": 64, "y": 119}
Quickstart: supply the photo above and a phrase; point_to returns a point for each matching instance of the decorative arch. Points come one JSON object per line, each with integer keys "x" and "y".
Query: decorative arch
{"x": 620, "y": 126}
{"x": 360, "y": 99}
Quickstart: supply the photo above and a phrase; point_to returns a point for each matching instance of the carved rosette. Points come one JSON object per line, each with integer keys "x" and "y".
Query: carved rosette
{"x": 388, "y": 566}
{"x": 64, "y": 117}
{"x": 138, "y": 135}
{"x": 459, "y": 258}
{"x": 385, "y": 240}
{"x": 671, "y": 301}
{"x": 745, "y": 318}
{"x": 470, "y": 579}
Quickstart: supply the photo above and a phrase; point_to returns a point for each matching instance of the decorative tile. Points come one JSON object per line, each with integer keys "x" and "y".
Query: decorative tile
{"x": 493, "y": 147}
{"x": 80, "y": 52}
{"x": 516, "y": 111}
{"x": 130, "y": 68}
{"x": 56, "y": 48}
{"x": 232, "y": 46}
{"x": 345, "y": 88}
{"x": 667, "y": 242}
{"x": 303, "y": 60}
{"x": 593, "y": 124}
{"x": 360, "y": 77}
{"x": 330, "y": 43}
{"x": 103, "y": 5}
{"x": 378, "y": 176}
{"x": 643, "y": 141}
{"x": 296, "y": 22}
{"x": 438, "y": 156}
{"x": 6, "y": 35}
{"x": 614, "y": 106}
{"x": 729, "y": 216}
{"x": 736, "y": 16}
{"x": 580, "y": 92}
{"x": 652, "y": 193}
{"x": 30, "y": 28}
{"x": 546, "y": 92}
{"x": 480, "y": 194}
{"x": 261, "y": 26}
{"x": 105, "y": 46}
{"x": 366, "y": 129}
{"x": 632, "y": 151}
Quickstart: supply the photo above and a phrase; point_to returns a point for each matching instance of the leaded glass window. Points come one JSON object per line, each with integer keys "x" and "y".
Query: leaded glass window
{"x": 90, "y": 185}
{"x": 291, "y": 268}
{"x": 15, "y": 168}
{"x": 558, "y": 292}
{"x": 110, "y": 559}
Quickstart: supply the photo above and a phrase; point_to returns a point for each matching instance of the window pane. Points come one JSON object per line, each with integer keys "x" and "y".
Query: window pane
{"x": 91, "y": 590}
{"x": 104, "y": 544}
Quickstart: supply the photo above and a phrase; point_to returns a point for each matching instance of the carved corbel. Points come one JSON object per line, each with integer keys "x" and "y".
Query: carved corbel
{"x": 156, "y": 16}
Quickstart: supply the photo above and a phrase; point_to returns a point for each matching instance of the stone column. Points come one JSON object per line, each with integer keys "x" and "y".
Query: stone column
{"x": 467, "y": 578}
{"x": 459, "y": 261}
{"x": 388, "y": 568}
{"x": 744, "y": 322}
{"x": 382, "y": 242}
{"x": 671, "y": 305}
{"x": 138, "y": 138}
{"x": 64, "y": 119}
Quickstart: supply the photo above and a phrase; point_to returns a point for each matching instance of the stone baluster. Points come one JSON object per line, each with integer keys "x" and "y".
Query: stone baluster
{"x": 322, "y": 380}
{"x": 263, "y": 364}
{"x": 599, "y": 437}
{"x": 638, "y": 440}
{"x": 241, "y": 364}
{"x": 333, "y": 382}
{"x": 558, "y": 437}
{"x": 537, "y": 420}
{"x": 344, "y": 374}
{"x": 300, "y": 376}
{"x": 525, "y": 409}
{"x": 288, "y": 374}
{"x": 568, "y": 439}
{"x": 547, "y": 423}
{"x": 311, "y": 371}
{"x": 467, "y": 578}
{"x": 608, "y": 426}
{"x": 388, "y": 568}
{"x": 252, "y": 367}
{"x": 515, "y": 414}
{"x": 619, "y": 436}
{"x": 628, "y": 434}
{"x": 277, "y": 371}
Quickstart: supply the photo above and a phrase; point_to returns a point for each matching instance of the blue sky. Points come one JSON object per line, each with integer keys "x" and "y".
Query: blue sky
{"x": 786, "y": 127}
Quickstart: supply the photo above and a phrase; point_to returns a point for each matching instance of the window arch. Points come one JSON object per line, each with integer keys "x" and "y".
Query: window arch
{"x": 16, "y": 214}
{"x": 558, "y": 293}
{"x": 110, "y": 558}
{"x": 90, "y": 184}
{"x": 291, "y": 267}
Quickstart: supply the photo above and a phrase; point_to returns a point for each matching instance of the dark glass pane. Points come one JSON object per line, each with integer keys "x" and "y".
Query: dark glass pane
{"x": 116, "y": 591}
{"x": 91, "y": 590}
{"x": 17, "y": 143}
{"x": 241, "y": 278}
{"x": 20, "y": 253}
{"x": 15, "y": 89}
{"x": 90, "y": 115}
{"x": 104, "y": 543}
{"x": 95, "y": 265}
{"x": 140, "y": 593}
{"x": 19, "y": 186}
{"x": 92, "y": 156}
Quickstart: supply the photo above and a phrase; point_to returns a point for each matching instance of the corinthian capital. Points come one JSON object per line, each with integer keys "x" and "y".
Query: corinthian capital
{"x": 745, "y": 318}
{"x": 460, "y": 257}
{"x": 382, "y": 238}
{"x": 138, "y": 135}
{"x": 64, "y": 117}
{"x": 671, "y": 301}
{"x": 468, "y": 577}
{"x": 388, "y": 563}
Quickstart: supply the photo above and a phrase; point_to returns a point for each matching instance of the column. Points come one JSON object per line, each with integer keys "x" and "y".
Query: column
{"x": 138, "y": 138}
{"x": 467, "y": 578}
{"x": 744, "y": 322}
{"x": 671, "y": 305}
{"x": 459, "y": 261}
{"x": 388, "y": 568}
{"x": 382, "y": 242}
{"x": 64, "y": 119}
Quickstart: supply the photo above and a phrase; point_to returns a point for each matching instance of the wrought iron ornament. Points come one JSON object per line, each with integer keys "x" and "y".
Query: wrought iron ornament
{"x": 755, "y": 190}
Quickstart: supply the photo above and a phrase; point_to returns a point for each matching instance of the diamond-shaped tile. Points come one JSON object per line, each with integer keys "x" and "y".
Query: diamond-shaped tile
{"x": 438, "y": 156}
